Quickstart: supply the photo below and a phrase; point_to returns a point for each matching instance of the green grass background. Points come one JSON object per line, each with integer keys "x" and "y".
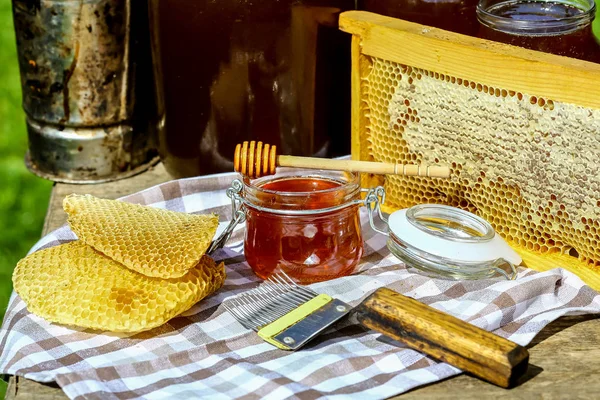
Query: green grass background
{"x": 23, "y": 197}
{"x": 597, "y": 21}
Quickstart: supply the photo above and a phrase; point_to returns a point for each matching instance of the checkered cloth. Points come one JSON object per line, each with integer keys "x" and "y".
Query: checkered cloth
{"x": 205, "y": 353}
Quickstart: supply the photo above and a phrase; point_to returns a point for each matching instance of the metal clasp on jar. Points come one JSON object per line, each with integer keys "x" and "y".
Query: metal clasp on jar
{"x": 373, "y": 200}
{"x": 237, "y": 215}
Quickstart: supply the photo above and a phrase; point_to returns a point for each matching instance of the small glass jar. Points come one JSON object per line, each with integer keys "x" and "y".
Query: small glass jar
{"x": 304, "y": 223}
{"x": 562, "y": 27}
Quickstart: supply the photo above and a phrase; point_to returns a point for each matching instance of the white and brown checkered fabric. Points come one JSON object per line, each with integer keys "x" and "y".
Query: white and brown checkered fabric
{"x": 205, "y": 353}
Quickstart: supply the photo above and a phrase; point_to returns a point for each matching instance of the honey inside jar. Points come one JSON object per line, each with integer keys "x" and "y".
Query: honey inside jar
{"x": 306, "y": 225}
{"x": 451, "y": 15}
{"x": 562, "y": 27}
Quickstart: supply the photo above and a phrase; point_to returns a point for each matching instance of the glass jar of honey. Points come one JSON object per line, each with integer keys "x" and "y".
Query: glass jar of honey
{"x": 562, "y": 27}
{"x": 303, "y": 223}
{"x": 452, "y": 15}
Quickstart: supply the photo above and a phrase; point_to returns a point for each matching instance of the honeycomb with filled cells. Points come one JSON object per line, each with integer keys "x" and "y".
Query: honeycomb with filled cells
{"x": 73, "y": 284}
{"x": 525, "y": 163}
{"x": 151, "y": 241}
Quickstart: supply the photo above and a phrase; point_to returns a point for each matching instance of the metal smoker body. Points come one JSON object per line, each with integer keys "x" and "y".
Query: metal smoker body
{"x": 86, "y": 76}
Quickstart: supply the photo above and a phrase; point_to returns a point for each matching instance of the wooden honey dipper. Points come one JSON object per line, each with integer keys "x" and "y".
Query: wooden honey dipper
{"x": 254, "y": 160}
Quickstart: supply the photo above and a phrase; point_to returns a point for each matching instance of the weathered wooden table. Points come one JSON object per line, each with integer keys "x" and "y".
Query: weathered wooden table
{"x": 565, "y": 356}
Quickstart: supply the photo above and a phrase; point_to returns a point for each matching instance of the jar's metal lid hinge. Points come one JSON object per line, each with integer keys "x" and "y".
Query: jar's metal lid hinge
{"x": 373, "y": 200}
{"x": 237, "y": 215}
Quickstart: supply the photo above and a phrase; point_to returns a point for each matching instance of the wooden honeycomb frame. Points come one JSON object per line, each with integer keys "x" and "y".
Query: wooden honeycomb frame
{"x": 521, "y": 130}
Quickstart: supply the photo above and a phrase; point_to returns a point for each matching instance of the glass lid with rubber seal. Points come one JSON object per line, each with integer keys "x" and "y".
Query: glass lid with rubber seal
{"x": 448, "y": 242}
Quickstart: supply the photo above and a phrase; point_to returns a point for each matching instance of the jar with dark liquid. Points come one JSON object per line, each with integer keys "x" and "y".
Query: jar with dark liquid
{"x": 562, "y": 27}
{"x": 234, "y": 70}
{"x": 452, "y": 15}
{"x": 303, "y": 223}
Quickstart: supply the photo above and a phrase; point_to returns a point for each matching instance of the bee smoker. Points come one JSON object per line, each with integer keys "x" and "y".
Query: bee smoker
{"x": 87, "y": 85}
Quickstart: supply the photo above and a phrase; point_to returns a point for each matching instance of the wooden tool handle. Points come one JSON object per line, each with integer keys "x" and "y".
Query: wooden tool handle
{"x": 255, "y": 159}
{"x": 444, "y": 337}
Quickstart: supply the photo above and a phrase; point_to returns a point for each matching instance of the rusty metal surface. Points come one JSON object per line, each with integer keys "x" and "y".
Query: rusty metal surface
{"x": 86, "y": 76}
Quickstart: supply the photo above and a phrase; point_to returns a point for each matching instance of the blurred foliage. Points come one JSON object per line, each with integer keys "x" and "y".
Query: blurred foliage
{"x": 597, "y": 20}
{"x": 23, "y": 196}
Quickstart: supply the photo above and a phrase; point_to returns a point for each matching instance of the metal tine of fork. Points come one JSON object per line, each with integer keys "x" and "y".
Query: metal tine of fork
{"x": 264, "y": 310}
{"x": 276, "y": 281}
{"x": 283, "y": 291}
{"x": 277, "y": 278}
{"x": 242, "y": 320}
{"x": 244, "y": 314}
{"x": 305, "y": 289}
{"x": 268, "y": 304}
{"x": 278, "y": 299}
{"x": 275, "y": 286}
{"x": 270, "y": 312}
{"x": 289, "y": 294}
{"x": 251, "y": 313}
{"x": 257, "y": 313}
{"x": 233, "y": 312}
{"x": 239, "y": 316}
{"x": 308, "y": 295}
{"x": 260, "y": 298}
{"x": 278, "y": 295}
{"x": 285, "y": 279}
{"x": 248, "y": 311}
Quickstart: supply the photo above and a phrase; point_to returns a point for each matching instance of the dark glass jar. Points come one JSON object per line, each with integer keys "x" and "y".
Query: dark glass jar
{"x": 562, "y": 27}
{"x": 452, "y": 15}
{"x": 236, "y": 70}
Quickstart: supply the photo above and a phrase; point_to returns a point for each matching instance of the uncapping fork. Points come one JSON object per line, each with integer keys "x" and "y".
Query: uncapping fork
{"x": 288, "y": 315}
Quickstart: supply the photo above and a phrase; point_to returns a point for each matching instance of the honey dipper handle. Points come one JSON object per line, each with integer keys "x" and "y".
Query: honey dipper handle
{"x": 444, "y": 337}
{"x": 364, "y": 166}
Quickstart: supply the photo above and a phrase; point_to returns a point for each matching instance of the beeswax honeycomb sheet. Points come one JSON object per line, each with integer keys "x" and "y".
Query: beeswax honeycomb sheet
{"x": 527, "y": 164}
{"x": 75, "y": 285}
{"x": 154, "y": 242}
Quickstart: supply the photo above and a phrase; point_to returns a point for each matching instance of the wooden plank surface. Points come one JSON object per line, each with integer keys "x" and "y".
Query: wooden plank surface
{"x": 564, "y": 357}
